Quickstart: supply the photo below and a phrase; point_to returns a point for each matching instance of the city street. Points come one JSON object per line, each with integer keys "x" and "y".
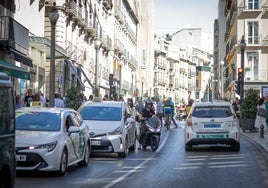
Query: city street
{"x": 170, "y": 166}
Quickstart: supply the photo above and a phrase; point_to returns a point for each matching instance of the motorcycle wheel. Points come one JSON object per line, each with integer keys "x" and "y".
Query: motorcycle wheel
{"x": 154, "y": 143}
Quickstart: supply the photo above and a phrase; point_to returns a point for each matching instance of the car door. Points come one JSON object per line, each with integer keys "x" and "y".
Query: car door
{"x": 83, "y": 134}
{"x": 73, "y": 138}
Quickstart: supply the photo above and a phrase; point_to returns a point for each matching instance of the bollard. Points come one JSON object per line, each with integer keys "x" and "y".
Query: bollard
{"x": 261, "y": 131}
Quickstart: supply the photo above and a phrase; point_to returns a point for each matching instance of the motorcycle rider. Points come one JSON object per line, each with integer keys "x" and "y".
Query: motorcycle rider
{"x": 169, "y": 104}
{"x": 146, "y": 112}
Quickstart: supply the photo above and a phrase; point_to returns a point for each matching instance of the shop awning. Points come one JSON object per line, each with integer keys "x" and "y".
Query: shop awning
{"x": 86, "y": 77}
{"x": 13, "y": 70}
{"x": 44, "y": 45}
{"x": 74, "y": 71}
{"x": 17, "y": 56}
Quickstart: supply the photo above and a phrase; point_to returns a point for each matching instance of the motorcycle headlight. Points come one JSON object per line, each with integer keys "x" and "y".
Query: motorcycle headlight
{"x": 50, "y": 146}
{"x": 118, "y": 130}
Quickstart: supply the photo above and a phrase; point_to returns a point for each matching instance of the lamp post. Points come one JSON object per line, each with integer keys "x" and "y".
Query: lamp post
{"x": 222, "y": 90}
{"x": 210, "y": 87}
{"x": 242, "y": 50}
{"x": 142, "y": 80}
{"x": 53, "y": 16}
{"x": 97, "y": 44}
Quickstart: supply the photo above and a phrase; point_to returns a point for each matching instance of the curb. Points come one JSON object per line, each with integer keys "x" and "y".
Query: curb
{"x": 256, "y": 141}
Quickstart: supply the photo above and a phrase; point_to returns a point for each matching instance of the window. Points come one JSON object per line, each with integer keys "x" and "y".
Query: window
{"x": 253, "y": 4}
{"x": 252, "y": 66}
{"x": 253, "y": 32}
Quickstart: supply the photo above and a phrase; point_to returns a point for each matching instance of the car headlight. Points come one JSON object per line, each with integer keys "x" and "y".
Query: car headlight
{"x": 50, "y": 146}
{"x": 118, "y": 130}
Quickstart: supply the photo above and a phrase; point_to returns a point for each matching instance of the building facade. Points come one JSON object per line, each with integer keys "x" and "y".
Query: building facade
{"x": 248, "y": 19}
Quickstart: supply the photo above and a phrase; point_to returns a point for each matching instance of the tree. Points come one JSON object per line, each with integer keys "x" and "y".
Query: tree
{"x": 73, "y": 98}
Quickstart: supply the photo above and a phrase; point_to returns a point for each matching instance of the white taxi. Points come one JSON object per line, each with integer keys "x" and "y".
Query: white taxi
{"x": 212, "y": 123}
{"x": 50, "y": 139}
{"x": 112, "y": 126}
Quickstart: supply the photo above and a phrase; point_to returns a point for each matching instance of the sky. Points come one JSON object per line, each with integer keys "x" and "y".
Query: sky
{"x": 172, "y": 15}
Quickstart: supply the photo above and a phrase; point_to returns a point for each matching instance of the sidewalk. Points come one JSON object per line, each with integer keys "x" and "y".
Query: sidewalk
{"x": 255, "y": 136}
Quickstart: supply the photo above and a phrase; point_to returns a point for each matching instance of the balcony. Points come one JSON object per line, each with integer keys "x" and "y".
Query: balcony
{"x": 90, "y": 29}
{"x": 106, "y": 43}
{"x": 265, "y": 10}
{"x": 108, "y": 4}
{"x": 14, "y": 38}
{"x": 249, "y": 10}
{"x": 118, "y": 47}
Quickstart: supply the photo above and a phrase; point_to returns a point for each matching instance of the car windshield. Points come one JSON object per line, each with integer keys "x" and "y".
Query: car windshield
{"x": 212, "y": 112}
{"x": 101, "y": 113}
{"x": 38, "y": 121}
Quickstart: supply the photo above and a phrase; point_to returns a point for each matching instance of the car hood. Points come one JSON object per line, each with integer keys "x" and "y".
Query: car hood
{"x": 101, "y": 127}
{"x": 29, "y": 138}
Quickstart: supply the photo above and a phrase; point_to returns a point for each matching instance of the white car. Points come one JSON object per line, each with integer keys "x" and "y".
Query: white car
{"x": 112, "y": 126}
{"x": 50, "y": 139}
{"x": 212, "y": 123}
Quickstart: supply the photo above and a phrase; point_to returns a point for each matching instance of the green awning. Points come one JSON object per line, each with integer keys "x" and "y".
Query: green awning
{"x": 13, "y": 70}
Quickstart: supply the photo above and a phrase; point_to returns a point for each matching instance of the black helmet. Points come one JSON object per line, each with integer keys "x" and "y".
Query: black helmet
{"x": 149, "y": 103}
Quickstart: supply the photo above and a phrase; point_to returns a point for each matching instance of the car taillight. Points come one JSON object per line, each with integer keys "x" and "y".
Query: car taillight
{"x": 189, "y": 121}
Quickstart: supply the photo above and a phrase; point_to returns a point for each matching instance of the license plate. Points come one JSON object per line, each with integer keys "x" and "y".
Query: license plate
{"x": 20, "y": 157}
{"x": 95, "y": 143}
{"x": 212, "y": 126}
{"x": 211, "y": 136}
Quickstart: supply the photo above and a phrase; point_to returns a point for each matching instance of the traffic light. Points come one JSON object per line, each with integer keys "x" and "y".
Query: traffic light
{"x": 237, "y": 87}
{"x": 240, "y": 75}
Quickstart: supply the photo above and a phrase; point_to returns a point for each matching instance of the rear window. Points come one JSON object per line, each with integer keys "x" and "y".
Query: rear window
{"x": 101, "y": 113}
{"x": 212, "y": 112}
{"x": 38, "y": 121}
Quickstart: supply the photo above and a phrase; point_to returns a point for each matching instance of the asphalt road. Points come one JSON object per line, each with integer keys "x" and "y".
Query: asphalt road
{"x": 171, "y": 166}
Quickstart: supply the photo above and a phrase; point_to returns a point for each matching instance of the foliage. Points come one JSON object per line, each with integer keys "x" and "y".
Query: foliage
{"x": 168, "y": 37}
{"x": 248, "y": 108}
{"x": 73, "y": 98}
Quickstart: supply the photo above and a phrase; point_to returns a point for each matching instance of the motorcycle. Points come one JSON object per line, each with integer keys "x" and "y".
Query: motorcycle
{"x": 151, "y": 136}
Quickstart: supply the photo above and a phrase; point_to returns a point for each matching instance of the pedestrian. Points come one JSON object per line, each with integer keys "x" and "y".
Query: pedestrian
{"x": 43, "y": 99}
{"x": 37, "y": 100}
{"x": 188, "y": 107}
{"x": 260, "y": 116}
{"x": 28, "y": 98}
{"x": 18, "y": 101}
{"x": 159, "y": 110}
{"x": 139, "y": 105}
{"x": 58, "y": 101}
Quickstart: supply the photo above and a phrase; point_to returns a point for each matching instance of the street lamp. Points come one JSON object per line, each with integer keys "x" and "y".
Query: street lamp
{"x": 142, "y": 80}
{"x": 53, "y": 16}
{"x": 210, "y": 87}
{"x": 222, "y": 90}
{"x": 242, "y": 45}
{"x": 97, "y": 44}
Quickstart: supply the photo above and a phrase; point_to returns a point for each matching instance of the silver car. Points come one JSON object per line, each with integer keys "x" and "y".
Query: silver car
{"x": 50, "y": 139}
{"x": 212, "y": 123}
{"x": 112, "y": 126}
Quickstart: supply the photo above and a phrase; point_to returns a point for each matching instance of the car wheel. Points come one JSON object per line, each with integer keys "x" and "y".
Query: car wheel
{"x": 124, "y": 153}
{"x": 188, "y": 147}
{"x": 85, "y": 161}
{"x": 236, "y": 147}
{"x": 63, "y": 163}
{"x": 132, "y": 148}
{"x": 5, "y": 178}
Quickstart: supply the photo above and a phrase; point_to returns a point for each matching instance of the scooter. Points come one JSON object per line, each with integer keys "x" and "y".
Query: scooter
{"x": 151, "y": 136}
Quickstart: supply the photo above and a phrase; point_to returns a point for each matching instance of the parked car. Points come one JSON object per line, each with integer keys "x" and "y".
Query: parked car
{"x": 7, "y": 133}
{"x": 212, "y": 123}
{"x": 112, "y": 126}
{"x": 50, "y": 139}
